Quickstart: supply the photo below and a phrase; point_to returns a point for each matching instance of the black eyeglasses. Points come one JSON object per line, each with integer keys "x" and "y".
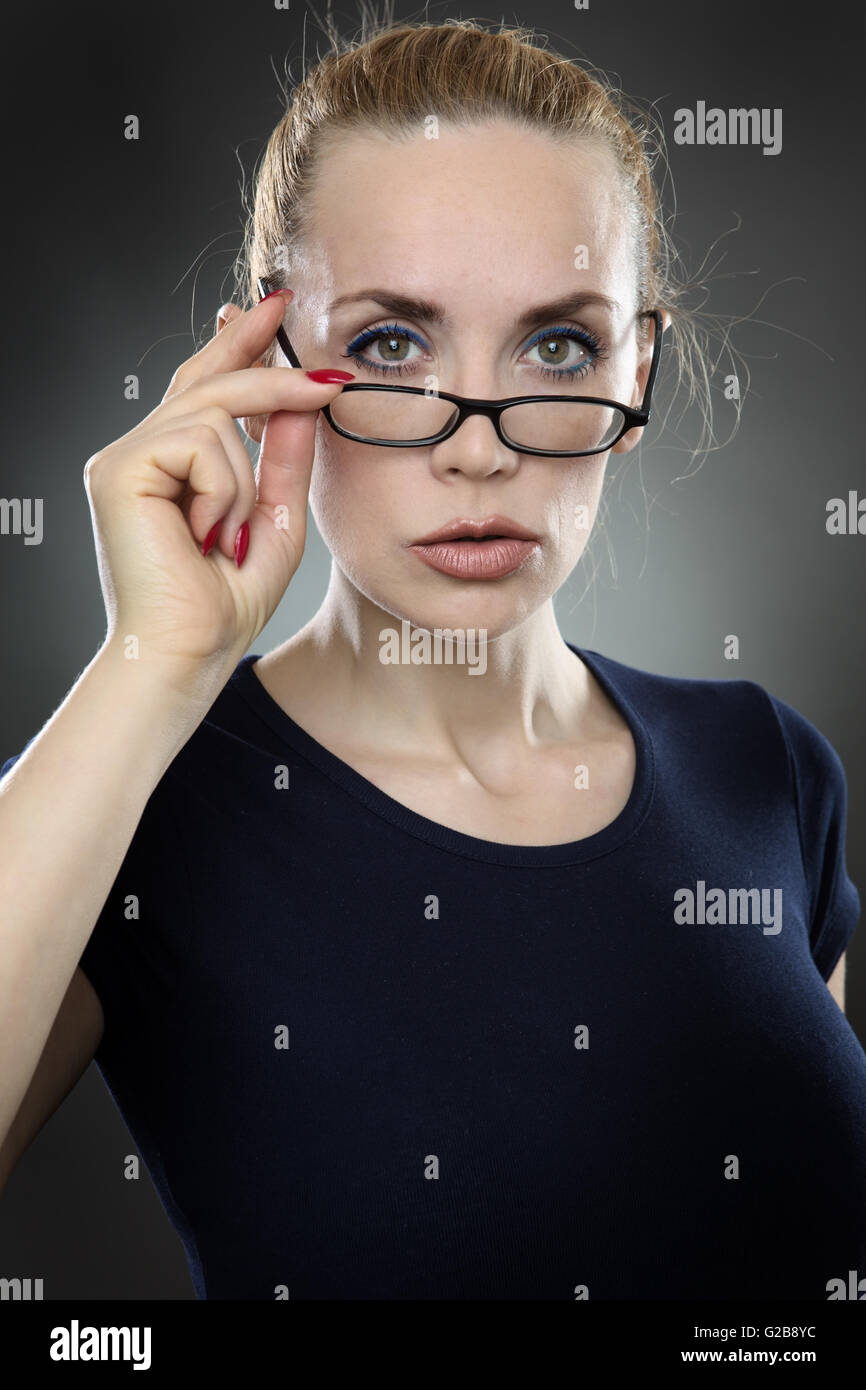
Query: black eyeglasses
{"x": 410, "y": 417}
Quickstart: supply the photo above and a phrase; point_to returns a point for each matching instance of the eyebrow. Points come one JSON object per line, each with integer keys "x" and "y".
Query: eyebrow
{"x": 426, "y": 311}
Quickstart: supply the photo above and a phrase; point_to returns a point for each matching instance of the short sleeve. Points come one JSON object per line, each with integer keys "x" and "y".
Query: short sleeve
{"x": 821, "y": 796}
{"x": 125, "y": 954}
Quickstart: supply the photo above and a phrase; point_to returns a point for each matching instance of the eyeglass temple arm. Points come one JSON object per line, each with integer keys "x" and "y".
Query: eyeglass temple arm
{"x": 655, "y": 315}
{"x": 282, "y": 335}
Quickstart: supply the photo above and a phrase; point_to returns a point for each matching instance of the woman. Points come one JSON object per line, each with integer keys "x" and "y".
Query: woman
{"x": 480, "y": 967}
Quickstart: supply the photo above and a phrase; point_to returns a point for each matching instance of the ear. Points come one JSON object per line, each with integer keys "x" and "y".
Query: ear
{"x": 632, "y": 437}
{"x": 252, "y": 425}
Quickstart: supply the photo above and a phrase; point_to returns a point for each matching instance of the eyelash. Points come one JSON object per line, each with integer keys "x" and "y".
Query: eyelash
{"x": 394, "y": 330}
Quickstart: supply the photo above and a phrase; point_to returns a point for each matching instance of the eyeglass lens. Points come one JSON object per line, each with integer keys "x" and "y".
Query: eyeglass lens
{"x": 555, "y": 425}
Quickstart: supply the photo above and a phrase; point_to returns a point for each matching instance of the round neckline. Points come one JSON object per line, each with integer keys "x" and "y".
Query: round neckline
{"x": 246, "y": 683}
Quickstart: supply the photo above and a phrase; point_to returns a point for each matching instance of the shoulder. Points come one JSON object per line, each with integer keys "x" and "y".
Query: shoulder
{"x": 739, "y": 718}
{"x": 746, "y": 742}
{"x": 726, "y": 704}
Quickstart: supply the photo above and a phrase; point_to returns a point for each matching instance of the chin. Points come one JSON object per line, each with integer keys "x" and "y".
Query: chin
{"x": 472, "y": 608}
{"x": 431, "y": 601}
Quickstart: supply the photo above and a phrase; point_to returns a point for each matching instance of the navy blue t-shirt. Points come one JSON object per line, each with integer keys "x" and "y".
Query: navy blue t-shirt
{"x": 365, "y": 1056}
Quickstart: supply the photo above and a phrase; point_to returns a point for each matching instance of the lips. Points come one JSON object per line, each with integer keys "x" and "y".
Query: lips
{"x": 465, "y": 528}
{"x": 468, "y": 549}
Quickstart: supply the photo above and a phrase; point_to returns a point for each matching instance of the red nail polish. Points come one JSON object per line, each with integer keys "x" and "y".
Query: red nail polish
{"x": 329, "y": 375}
{"x": 273, "y": 292}
{"x": 242, "y": 540}
{"x": 210, "y": 538}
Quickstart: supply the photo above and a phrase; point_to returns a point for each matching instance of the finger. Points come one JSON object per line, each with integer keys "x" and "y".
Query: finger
{"x": 239, "y": 343}
{"x": 189, "y": 457}
{"x": 198, "y": 509}
{"x": 245, "y": 392}
{"x": 285, "y": 469}
{"x": 252, "y": 426}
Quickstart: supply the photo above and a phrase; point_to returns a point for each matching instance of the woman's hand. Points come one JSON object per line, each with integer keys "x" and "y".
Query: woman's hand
{"x": 156, "y": 494}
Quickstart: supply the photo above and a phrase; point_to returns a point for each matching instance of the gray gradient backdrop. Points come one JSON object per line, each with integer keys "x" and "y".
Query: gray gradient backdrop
{"x": 119, "y": 254}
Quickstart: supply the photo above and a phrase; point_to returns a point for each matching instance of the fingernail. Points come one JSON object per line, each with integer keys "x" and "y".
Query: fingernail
{"x": 287, "y": 293}
{"x": 330, "y": 375}
{"x": 242, "y": 540}
{"x": 208, "y": 542}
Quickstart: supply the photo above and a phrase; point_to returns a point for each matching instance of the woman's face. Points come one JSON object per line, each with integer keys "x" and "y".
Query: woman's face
{"x": 486, "y": 224}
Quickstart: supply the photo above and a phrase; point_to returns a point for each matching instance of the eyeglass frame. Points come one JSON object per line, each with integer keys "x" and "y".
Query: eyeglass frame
{"x": 635, "y": 417}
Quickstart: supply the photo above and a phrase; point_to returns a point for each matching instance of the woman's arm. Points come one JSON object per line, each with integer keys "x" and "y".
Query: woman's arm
{"x": 68, "y": 811}
{"x": 75, "y": 1035}
{"x": 174, "y": 490}
{"x": 836, "y": 983}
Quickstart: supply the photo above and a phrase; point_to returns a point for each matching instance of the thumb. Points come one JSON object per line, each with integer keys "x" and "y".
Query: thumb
{"x": 285, "y": 467}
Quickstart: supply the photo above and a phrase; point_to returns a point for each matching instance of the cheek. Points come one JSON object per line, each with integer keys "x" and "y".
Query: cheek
{"x": 325, "y": 499}
{"x": 337, "y": 488}
{"x": 574, "y": 495}
{"x": 359, "y": 498}
{"x": 364, "y": 500}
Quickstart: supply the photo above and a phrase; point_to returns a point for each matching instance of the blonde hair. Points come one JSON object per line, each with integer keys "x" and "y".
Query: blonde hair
{"x": 394, "y": 76}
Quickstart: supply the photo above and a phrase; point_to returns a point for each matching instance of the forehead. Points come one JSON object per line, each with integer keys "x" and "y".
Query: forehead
{"x": 489, "y": 214}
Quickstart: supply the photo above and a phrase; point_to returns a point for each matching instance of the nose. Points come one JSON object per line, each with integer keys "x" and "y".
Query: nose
{"x": 475, "y": 450}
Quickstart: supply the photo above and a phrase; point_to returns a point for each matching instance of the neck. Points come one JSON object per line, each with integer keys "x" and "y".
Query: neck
{"x": 401, "y": 688}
